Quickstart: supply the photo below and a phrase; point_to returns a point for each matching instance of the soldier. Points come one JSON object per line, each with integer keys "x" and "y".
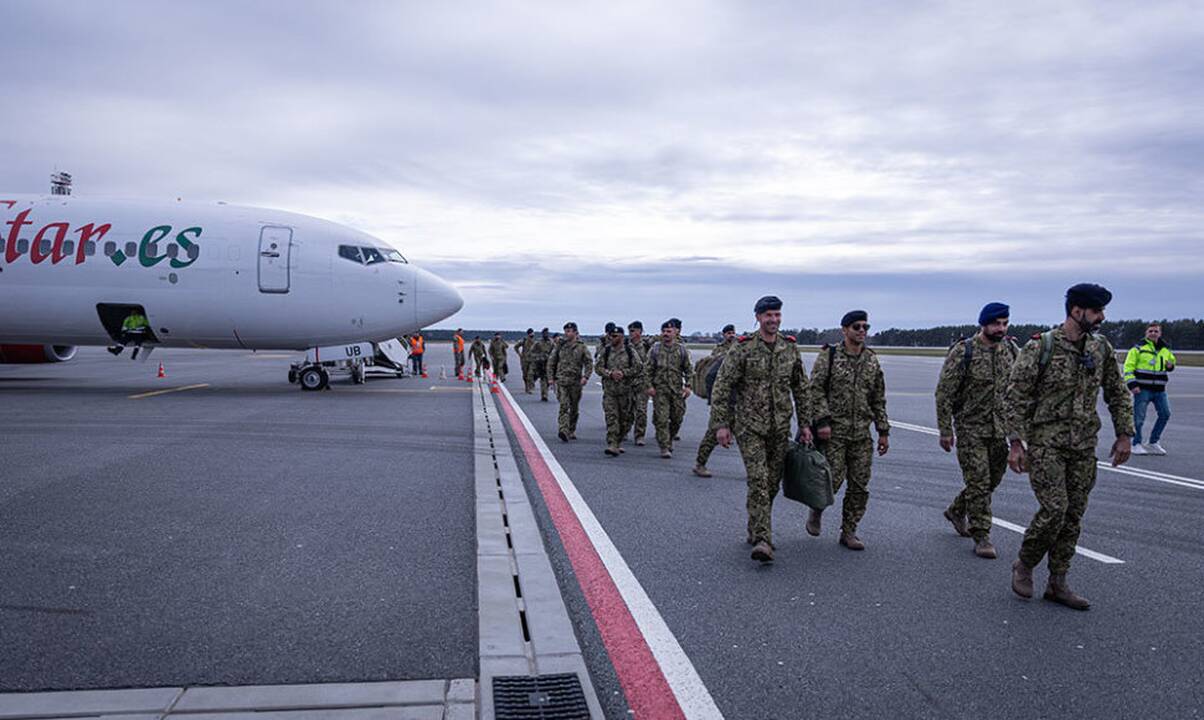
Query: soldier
{"x": 478, "y": 352}
{"x": 761, "y": 384}
{"x": 848, "y": 392}
{"x": 1053, "y": 428}
{"x": 668, "y": 380}
{"x": 522, "y": 348}
{"x": 537, "y": 358}
{"x": 497, "y": 354}
{"x": 709, "y": 441}
{"x": 458, "y": 352}
{"x": 569, "y": 368}
{"x": 641, "y": 345}
{"x": 622, "y": 374}
{"x": 970, "y": 394}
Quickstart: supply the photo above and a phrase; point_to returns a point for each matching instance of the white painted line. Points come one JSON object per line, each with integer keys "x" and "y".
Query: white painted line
{"x": 915, "y": 428}
{"x": 692, "y": 695}
{"x": 153, "y": 393}
{"x": 1106, "y": 559}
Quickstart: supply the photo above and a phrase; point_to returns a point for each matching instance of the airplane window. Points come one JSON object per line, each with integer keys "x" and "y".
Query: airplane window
{"x": 90, "y": 248}
{"x": 350, "y": 252}
{"x": 110, "y": 248}
{"x": 22, "y": 246}
{"x": 372, "y": 256}
{"x": 393, "y": 255}
{"x": 194, "y": 252}
{"x": 173, "y": 250}
{"x": 152, "y": 250}
{"x": 131, "y": 249}
{"x": 44, "y": 247}
{"x": 68, "y": 247}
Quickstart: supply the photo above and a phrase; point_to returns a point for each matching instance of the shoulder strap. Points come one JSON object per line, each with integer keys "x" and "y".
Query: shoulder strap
{"x": 654, "y": 353}
{"x": 630, "y": 354}
{"x": 828, "y": 379}
{"x": 1046, "y": 348}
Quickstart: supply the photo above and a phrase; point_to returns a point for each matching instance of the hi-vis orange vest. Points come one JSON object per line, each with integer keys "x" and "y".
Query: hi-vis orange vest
{"x": 417, "y": 345}
{"x": 459, "y": 344}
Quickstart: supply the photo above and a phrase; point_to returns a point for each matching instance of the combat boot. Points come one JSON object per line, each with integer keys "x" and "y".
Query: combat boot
{"x": 851, "y": 541}
{"x": 984, "y": 549}
{"x": 612, "y": 451}
{"x": 666, "y": 453}
{"x": 958, "y": 522}
{"x": 1022, "y": 579}
{"x": 564, "y": 437}
{"x": 1060, "y": 592}
{"x": 701, "y": 471}
{"x": 763, "y": 552}
{"x": 814, "y": 522}
{"x": 640, "y": 442}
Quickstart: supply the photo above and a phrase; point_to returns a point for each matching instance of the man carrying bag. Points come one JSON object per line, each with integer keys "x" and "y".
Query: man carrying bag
{"x": 807, "y": 478}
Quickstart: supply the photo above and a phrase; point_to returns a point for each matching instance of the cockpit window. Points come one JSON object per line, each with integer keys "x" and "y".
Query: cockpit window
{"x": 372, "y": 256}
{"x": 351, "y": 252}
{"x": 393, "y": 255}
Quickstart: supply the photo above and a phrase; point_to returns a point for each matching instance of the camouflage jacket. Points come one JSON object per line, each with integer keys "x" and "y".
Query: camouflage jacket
{"x": 857, "y": 396}
{"x": 668, "y": 367}
{"x": 1054, "y": 405}
{"x": 522, "y": 347}
{"x": 569, "y": 362}
{"x": 972, "y": 397}
{"x": 539, "y": 351}
{"x": 723, "y": 347}
{"x": 760, "y": 386}
{"x": 477, "y": 349}
{"x": 625, "y": 359}
{"x": 497, "y": 349}
{"x": 642, "y": 347}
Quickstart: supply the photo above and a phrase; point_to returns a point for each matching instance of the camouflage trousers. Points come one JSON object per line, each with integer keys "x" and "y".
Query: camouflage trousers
{"x": 499, "y": 367}
{"x": 983, "y": 462}
{"x": 850, "y": 460}
{"x": 707, "y": 446}
{"x": 538, "y": 373}
{"x": 764, "y": 457}
{"x": 1061, "y": 480}
{"x": 640, "y": 424}
{"x": 668, "y": 410}
{"x": 479, "y": 365}
{"x": 459, "y": 357}
{"x": 568, "y": 394}
{"x": 526, "y": 368}
{"x": 618, "y": 407}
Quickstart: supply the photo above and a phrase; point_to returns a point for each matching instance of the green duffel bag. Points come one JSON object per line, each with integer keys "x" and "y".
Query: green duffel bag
{"x": 807, "y": 478}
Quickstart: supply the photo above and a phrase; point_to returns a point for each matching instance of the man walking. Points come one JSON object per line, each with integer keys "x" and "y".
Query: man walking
{"x": 1053, "y": 428}
{"x": 479, "y": 355}
{"x": 622, "y": 374}
{"x": 458, "y": 352}
{"x": 668, "y": 384}
{"x": 537, "y": 359}
{"x": 417, "y": 352}
{"x": 848, "y": 392}
{"x": 641, "y": 345}
{"x": 497, "y": 355}
{"x": 760, "y": 386}
{"x": 569, "y": 368}
{"x": 709, "y": 441}
{"x": 1146, "y": 368}
{"x": 522, "y": 348}
{"x": 970, "y": 394}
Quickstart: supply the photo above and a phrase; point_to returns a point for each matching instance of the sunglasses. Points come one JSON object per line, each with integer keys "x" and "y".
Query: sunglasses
{"x": 860, "y": 326}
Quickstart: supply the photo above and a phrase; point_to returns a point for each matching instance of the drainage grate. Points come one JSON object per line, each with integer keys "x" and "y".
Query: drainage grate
{"x": 539, "y": 697}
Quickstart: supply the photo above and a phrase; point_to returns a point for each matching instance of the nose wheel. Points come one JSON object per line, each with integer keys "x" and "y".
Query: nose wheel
{"x": 313, "y": 377}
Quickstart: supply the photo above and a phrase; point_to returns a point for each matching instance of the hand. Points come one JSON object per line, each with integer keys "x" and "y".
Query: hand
{"x": 947, "y": 442}
{"x": 584, "y": 381}
{"x": 1170, "y": 366}
{"x": 551, "y": 383}
{"x": 1136, "y": 391}
{"x": 824, "y": 433}
{"x": 883, "y": 444}
{"x": 651, "y": 392}
{"x": 804, "y": 436}
{"x": 1017, "y": 458}
{"x": 1121, "y": 450}
{"x": 724, "y": 436}
{"x": 685, "y": 393}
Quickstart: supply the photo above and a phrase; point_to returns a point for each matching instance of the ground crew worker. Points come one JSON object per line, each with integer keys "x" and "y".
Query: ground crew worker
{"x": 709, "y": 441}
{"x": 417, "y": 350}
{"x": 458, "y": 352}
{"x": 522, "y": 348}
{"x": 569, "y": 368}
{"x": 668, "y": 381}
{"x": 134, "y": 330}
{"x": 1053, "y": 428}
{"x": 760, "y": 386}
{"x": 1146, "y": 369}
{"x": 479, "y": 359}
{"x": 848, "y": 392}
{"x": 622, "y": 374}
{"x": 538, "y": 360}
{"x": 641, "y": 345}
{"x": 497, "y": 355}
{"x": 970, "y": 393}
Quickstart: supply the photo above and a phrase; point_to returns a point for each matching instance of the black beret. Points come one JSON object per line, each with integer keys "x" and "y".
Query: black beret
{"x": 1088, "y": 295}
{"x": 729, "y": 328}
{"x": 635, "y": 325}
{"x": 853, "y": 316}
{"x": 530, "y": 330}
{"x": 769, "y": 302}
{"x": 570, "y": 325}
{"x": 612, "y": 328}
{"x": 545, "y": 330}
{"x": 671, "y": 322}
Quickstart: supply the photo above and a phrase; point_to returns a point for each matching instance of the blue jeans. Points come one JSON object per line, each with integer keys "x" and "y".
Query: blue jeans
{"x": 1162, "y": 404}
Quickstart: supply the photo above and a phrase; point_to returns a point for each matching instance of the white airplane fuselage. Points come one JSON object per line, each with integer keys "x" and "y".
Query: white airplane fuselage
{"x": 207, "y": 275}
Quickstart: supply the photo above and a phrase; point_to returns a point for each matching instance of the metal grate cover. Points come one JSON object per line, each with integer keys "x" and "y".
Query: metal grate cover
{"x": 539, "y": 697}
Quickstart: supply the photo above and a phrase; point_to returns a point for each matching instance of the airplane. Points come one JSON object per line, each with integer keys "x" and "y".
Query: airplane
{"x": 204, "y": 276}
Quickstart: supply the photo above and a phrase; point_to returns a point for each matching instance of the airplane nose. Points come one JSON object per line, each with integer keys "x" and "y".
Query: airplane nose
{"x": 437, "y": 300}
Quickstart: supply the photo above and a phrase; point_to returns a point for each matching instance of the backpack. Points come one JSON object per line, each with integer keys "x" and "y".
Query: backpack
{"x": 968, "y": 357}
{"x": 705, "y": 372}
{"x": 626, "y": 346}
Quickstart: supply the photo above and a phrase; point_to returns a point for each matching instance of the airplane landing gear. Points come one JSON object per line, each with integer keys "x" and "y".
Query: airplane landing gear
{"x": 313, "y": 377}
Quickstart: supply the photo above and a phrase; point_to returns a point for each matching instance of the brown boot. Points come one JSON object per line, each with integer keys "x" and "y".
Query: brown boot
{"x": 814, "y": 522}
{"x": 612, "y": 451}
{"x": 984, "y": 549}
{"x": 666, "y": 453}
{"x": 701, "y": 471}
{"x": 1022, "y": 579}
{"x": 640, "y": 442}
{"x": 958, "y": 522}
{"x": 851, "y": 541}
{"x": 763, "y": 552}
{"x": 1060, "y": 592}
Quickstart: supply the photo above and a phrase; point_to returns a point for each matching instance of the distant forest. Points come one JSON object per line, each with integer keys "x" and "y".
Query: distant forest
{"x": 1183, "y": 334}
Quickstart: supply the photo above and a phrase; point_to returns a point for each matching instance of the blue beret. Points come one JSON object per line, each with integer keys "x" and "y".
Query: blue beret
{"x": 992, "y": 312}
{"x": 853, "y": 316}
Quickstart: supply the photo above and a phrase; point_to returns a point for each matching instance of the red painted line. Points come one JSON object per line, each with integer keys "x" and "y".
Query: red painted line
{"x": 648, "y": 693}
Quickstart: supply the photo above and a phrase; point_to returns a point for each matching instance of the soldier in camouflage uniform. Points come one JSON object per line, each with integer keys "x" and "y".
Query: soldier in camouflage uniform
{"x": 478, "y": 352}
{"x": 668, "y": 373}
{"x": 522, "y": 348}
{"x": 569, "y": 368}
{"x": 641, "y": 344}
{"x": 970, "y": 394}
{"x": 1053, "y": 428}
{"x": 537, "y": 359}
{"x": 709, "y": 441}
{"x": 848, "y": 392}
{"x": 622, "y": 374}
{"x": 760, "y": 386}
{"x": 497, "y": 355}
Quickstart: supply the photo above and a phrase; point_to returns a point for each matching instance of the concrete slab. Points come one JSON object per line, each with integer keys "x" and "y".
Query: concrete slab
{"x": 462, "y": 690}
{"x": 333, "y": 695}
{"x": 422, "y": 712}
{"x": 547, "y": 618}
{"x": 87, "y": 702}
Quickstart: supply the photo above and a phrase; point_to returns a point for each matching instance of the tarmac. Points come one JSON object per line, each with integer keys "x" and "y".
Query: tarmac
{"x": 218, "y": 542}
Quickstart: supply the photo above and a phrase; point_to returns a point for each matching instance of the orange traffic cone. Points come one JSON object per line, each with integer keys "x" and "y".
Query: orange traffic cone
{"x": 493, "y": 388}
{"x": 162, "y": 373}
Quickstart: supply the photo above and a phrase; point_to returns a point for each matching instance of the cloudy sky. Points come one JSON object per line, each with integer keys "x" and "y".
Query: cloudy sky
{"x": 598, "y": 161}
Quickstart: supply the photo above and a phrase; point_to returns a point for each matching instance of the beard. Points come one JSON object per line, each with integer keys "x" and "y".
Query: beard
{"x": 997, "y": 336}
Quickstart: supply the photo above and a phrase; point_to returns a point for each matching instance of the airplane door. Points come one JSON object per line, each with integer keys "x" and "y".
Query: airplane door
{"x": 275, "y": 245}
